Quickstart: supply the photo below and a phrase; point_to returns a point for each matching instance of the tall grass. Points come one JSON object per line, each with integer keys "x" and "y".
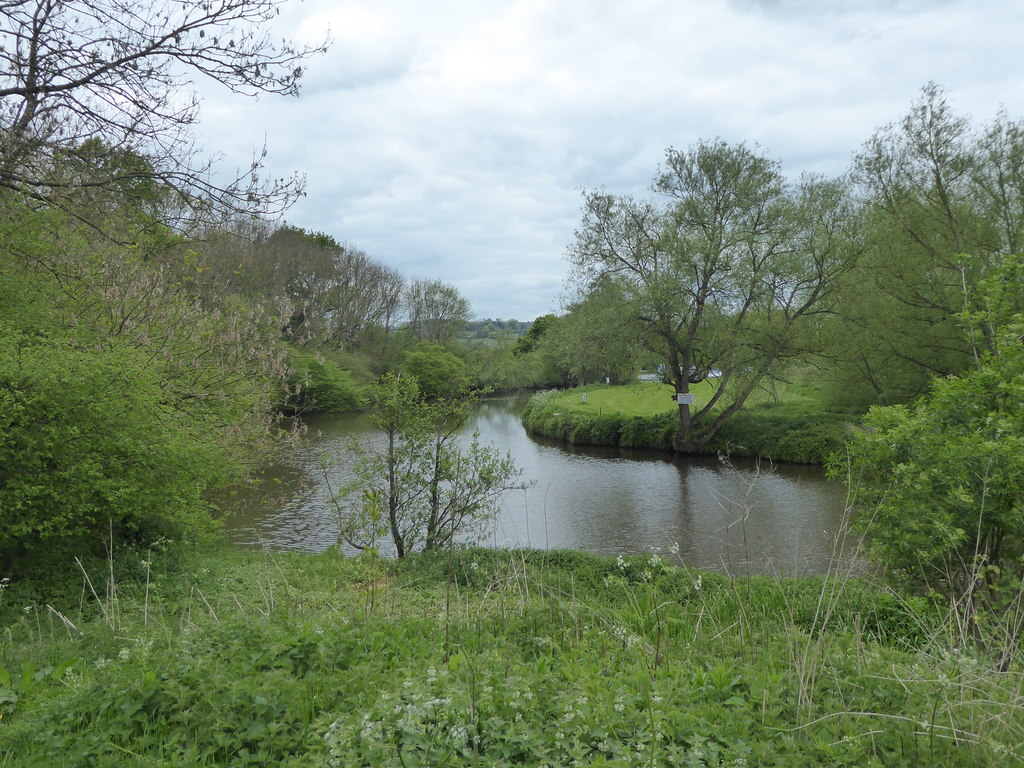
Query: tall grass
{"x": 490, "y": 657}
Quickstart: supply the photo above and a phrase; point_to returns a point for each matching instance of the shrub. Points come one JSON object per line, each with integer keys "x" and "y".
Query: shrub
{"x": 91, "y": 445}
{"x": 323, "y": 385}
{"x": 649, "y": 431}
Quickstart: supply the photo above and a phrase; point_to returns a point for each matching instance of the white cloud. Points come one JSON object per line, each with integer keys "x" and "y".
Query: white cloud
{"x": 450, "y": 139}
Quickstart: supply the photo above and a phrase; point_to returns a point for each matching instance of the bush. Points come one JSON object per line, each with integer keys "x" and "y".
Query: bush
{"x": 324, "y": 386}
{"x": 91, "y": 446}
{"x": 438, "y": 372}
{"x": 597, "y": 429}
{"x": 776, "y": 434}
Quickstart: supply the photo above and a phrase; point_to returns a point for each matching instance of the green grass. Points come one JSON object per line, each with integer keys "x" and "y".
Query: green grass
{"x": 241, "y": 658}
{"x": 785, "y": 422}
{"x": 637, "y": 399}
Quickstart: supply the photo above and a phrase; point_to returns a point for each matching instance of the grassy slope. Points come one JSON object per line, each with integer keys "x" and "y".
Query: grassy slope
{"x": 246, "y": 658}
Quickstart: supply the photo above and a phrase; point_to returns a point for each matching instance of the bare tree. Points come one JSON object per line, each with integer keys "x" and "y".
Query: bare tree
{"x": 115, "y": 77}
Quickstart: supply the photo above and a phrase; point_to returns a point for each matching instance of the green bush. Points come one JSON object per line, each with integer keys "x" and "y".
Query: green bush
{"x": 811, "y": 443}
{"x": 596, "y": 429}
{"x": 323, "y": 386}
{"x": 438, "y": 371}
{"x": 93, "y": 446}
{"x": 779, "y": 435}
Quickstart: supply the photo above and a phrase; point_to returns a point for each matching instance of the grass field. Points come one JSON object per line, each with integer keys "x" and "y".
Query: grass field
{"x": 783, "y": 422}
{"x": 649, "y": 398}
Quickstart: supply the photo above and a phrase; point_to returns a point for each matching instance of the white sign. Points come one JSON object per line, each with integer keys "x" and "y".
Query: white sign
{"x": 684, "y": 398}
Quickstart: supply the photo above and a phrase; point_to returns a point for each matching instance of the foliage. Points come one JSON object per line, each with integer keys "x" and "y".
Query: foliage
{"x": 422, "y": 489}
{"x": 321, "y": 385}
{"x": 536, "y": 658}
{"x": 538, "y": 328}
{"x": 937, "y": 188}
{"x": 78, "y": 76}
{"x": 780, "y": 434}
{"x": 126, "y": 394}
{"x": 641, "y": 415}
{"x": 726, "y": 275}
{"x": 93, "y": 445}
{"x": 331, "y": 295}
{"x": 940, "y": 480}
{"x": 436, "y": 311}
{"x": 939, "y": 483}
{"x": 597, "y": 340}
{"x": 438, "y": 372}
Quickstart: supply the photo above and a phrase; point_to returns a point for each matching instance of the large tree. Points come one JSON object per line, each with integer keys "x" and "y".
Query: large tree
{"x": 938, "y": 484}
{"x": 331, "y": 292}
{"x": 127, "y": 388}
{"x": 84, "y": 80}
{"x": 945, "y": 202}
{"x": 725, "y": 275}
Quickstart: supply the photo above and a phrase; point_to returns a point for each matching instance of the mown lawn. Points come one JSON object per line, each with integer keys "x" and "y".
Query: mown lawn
{"x": 636, "y": 399}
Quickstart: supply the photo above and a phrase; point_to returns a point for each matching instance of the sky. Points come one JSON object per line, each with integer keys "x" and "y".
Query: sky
{"x": 452, "y": 140}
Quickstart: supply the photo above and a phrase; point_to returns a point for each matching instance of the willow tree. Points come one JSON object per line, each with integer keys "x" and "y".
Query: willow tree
{"x": 945, "y": 203}
{"x": 421, "y": 488}
{"x": 726, "y": 273}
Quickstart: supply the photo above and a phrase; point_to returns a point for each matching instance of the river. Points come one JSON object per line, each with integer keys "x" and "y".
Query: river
{"x": 738, "y": 517}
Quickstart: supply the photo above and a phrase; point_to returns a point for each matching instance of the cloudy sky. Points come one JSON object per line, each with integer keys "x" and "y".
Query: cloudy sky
{"x": 450, "y": 139}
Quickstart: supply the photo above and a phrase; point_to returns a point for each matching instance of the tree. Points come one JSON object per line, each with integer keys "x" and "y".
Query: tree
{"x": 935, "y": 189}
{"x": 84, "y": 80}
{"x": 938, "y": 484}
{"x": 599, "y": 338}
{"x": 127, "y": 394}
{"x": 726, "y": 275}
{"x": 421, "y": 489}
{"x": 436, "y": 311}
{"x": 538, "y": 328}
{"x": 334, "y": 293}
{"x": 438, "y": 372}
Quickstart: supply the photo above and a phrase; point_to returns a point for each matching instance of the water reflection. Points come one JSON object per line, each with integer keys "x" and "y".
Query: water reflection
{"x": 737, "y": 517}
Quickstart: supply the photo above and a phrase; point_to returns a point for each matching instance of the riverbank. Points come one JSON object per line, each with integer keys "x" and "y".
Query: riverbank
{"x": 603, "y": 500}
{"x": 642, "y": 415}
{"x": 232, "y": 657}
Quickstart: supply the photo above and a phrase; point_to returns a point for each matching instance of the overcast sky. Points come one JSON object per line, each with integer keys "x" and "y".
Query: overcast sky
{"x": 451, "y": 139}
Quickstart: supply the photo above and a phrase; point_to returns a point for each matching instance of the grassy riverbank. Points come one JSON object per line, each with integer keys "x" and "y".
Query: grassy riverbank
{"x": 242, "y": 658}
{"x": 789, "y": 423}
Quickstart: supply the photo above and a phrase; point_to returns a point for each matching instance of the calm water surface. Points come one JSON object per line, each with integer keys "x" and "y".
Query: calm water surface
{"x": 738, "y": 518}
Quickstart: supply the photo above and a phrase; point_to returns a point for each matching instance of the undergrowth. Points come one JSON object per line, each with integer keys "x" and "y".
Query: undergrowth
{"x": 485, "y": 657}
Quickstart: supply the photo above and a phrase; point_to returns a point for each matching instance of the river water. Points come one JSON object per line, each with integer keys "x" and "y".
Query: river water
{"x": 738, "y": 517}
